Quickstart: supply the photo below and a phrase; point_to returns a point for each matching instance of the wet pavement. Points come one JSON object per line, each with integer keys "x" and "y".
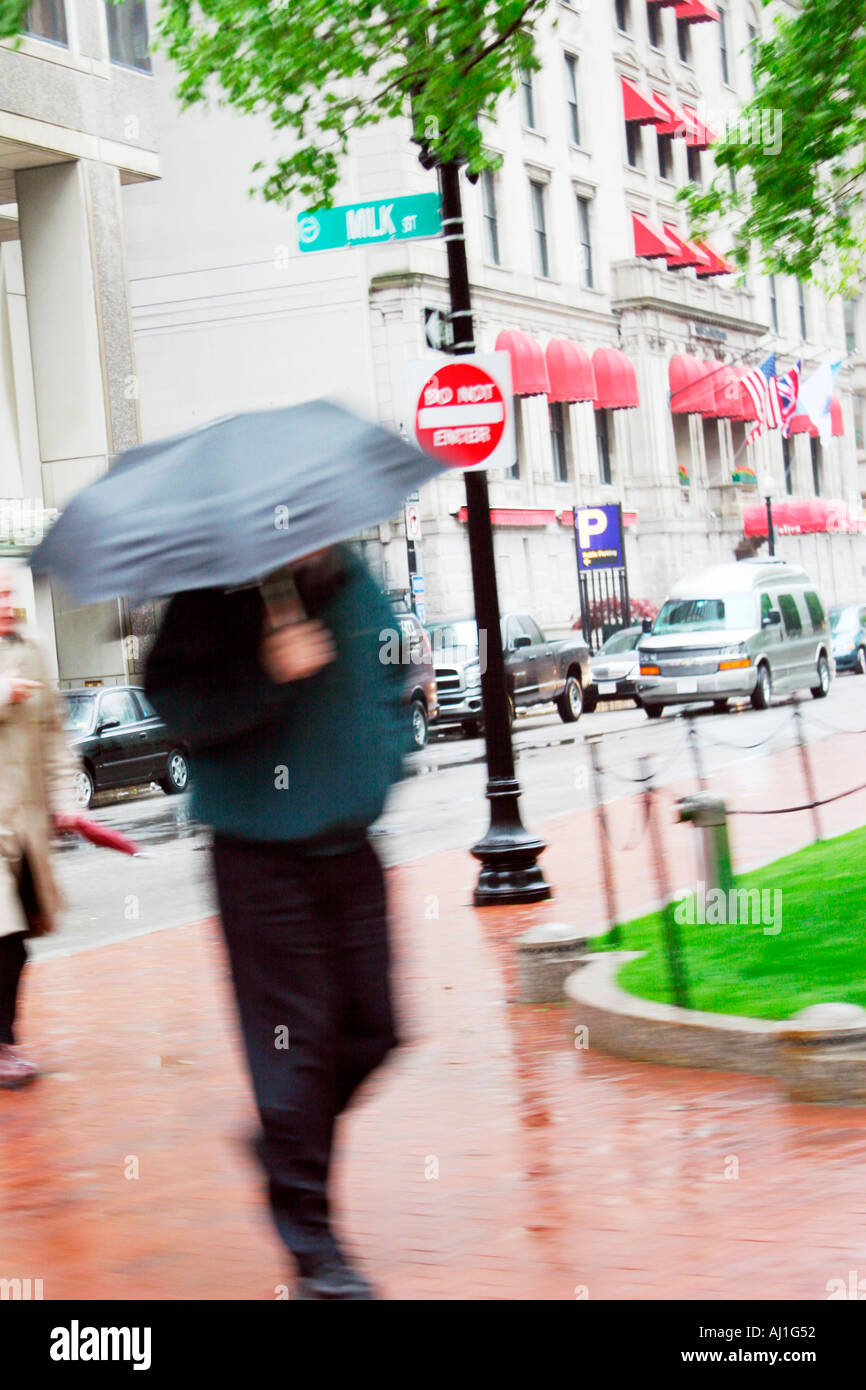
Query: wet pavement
{"x": 491, "y": 1159}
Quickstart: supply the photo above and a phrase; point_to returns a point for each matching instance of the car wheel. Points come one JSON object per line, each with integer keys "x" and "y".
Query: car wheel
{"x": 861, "y": 661}
{"x": 763, "y": 691}
{"x": 83, "y": 789}
{"x": 654, "y": 711}
{"x": 420, "y": 728}
{"x": 570, "y": 702}
{"x": 511, "y": 711}
{"x": 720, "y": 706}
{"x": 176, "y": 779}
{"x": 823, "y": 686}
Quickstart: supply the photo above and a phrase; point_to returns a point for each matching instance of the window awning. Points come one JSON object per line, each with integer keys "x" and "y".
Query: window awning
{"x": 515, "y": 516}
{"x": 675, "y": 122}
{"x": 639, "y": 105}
{"x": 690, "y": 392}
{"x": 718, "y": 265}
{"x": 696, "y": 12}
{"x": 688, "y": 252}
{"x": 615, "y": 379}
{"x": 837, "y": 423}
{"x": 570, "y": 370}
{"x": 528, "y": 367}
{"x": 649, "y": 240}
{"x": 803, "y": 424}
{"x": 802, "y": 517}
{"x": 698, "y": 135}
{"x": 726, "y": 387}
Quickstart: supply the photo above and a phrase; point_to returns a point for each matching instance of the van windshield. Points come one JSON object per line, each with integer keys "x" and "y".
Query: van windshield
{"x": 707, "y": 614}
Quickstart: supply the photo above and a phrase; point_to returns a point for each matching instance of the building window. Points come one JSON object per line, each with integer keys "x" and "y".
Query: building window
{"x": 723, "y": 48}
{"x": 46, "y": 19}
{"x": 584, "y": 227}
{"x": 513, "y": 473}
{"x": 732, "y": 179}
{"x": 753, "y": 53}
{"x": 571, "y": 90}
{"x": 666, "y": 156}
{"x": 684, "y": 41}
{"x": 693, "y": 158}
{"x": 816, "y": 464}
{"x": 633, "y": 146}
{"x": 602, "y": 438}
{"x": 539, "y": 227}
{"x": 491, "y": 216}
{"x": 128, "y": 40}
{"x": 801, "y": 307}
{"x": 774, "y": 305}
{"x": 621, "y": 7}
{"x": 654, "y": 25}
{"x": 528, "y": 88}
{"x": 851, "y": 306}
{"x": 788, "y": 461}
{"x": 557, "y": 440}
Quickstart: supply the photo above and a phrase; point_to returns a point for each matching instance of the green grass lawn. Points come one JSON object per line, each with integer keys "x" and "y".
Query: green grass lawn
{"x": 818, "y": 955}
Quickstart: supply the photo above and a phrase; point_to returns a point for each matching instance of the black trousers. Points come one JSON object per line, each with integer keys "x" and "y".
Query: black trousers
{"x": 308, "y": 946}
{"x": 13, "y": 956}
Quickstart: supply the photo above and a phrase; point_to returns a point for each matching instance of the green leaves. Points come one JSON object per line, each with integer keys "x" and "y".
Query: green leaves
{"x": 801, "y": 199}
{"x": 319, "y": 69}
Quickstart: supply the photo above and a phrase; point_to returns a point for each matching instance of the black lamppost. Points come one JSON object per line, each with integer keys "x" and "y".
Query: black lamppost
{"x": 767, "y": 482}
{"x": 508, "y": 852}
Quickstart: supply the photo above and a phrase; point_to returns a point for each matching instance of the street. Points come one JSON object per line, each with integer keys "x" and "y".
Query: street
{"x": 439, "y": 806}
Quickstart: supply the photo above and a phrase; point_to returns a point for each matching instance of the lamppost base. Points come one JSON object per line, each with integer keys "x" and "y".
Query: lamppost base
{"x": 508, "y": 854}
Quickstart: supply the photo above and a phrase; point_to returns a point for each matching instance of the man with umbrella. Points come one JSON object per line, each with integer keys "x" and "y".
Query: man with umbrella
{"x": 270, "y": 664}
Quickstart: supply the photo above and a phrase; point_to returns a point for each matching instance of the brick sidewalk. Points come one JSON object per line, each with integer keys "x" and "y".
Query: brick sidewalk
{"x": 558, "y": 1171}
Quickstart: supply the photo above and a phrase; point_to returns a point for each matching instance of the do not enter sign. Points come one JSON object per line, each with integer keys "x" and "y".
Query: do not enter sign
{"x": 463, "y": 411}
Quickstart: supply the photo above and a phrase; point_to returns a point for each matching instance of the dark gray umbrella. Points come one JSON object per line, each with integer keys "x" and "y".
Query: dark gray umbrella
{"x": 229, "y": 503}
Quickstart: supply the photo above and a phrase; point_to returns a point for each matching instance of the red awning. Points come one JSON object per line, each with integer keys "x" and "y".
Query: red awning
{"x": 698, "y": 135}
{"x": 801, "y": 518}
{"x": 570, "y": 370}
{"x": 567, "y": 517}
{"x": 688, "y": 253}
{"x": 675, "y": 122}
{"x": 689, "y": 390}
{"x": 837, "y": 423}
{"x": 726, "y": 386}
{"x": 649, "y": 240}
{"x": 803, "y": 424}
{"x": 696, "y": 12}
{"x": 718, "y": 264}
{"x": 528, "y": 367}
{"x": 639, "y": 106}
{"x": 516, "y": 516}
{"x": 615, "y": 380}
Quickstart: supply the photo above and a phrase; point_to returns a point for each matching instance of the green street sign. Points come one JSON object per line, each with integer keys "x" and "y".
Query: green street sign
{"x": 370, "y": 224}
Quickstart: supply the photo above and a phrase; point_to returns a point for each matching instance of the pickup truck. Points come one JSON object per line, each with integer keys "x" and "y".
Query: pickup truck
{"x": 537, "y": 671}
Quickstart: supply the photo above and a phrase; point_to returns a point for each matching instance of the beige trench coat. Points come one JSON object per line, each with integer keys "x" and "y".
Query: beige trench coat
{"x": 37, "y": 772}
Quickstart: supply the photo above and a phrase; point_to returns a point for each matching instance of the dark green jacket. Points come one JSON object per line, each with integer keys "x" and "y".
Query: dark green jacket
{"x": 297, "y": 761}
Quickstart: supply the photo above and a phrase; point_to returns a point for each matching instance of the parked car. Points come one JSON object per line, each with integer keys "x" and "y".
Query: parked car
{"x": 536, "y": 670}
{"x": 848, "y": 626}
{"x": 421, "y": 692}
{"x": 122, "y": 742}
{"x": 615, "y": 669}
{"x": 747, "y": 629}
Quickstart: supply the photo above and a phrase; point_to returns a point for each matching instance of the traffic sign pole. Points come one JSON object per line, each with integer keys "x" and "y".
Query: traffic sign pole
{"x": 508, "y": 853}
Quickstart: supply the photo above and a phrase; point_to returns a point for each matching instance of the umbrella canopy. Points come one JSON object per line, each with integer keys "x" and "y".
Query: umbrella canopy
{"x": 229, "y": 502}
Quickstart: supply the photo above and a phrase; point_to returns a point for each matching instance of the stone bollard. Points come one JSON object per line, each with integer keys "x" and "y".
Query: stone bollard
{"x": 546, "y": 955}
{"x": 709, "y": 815}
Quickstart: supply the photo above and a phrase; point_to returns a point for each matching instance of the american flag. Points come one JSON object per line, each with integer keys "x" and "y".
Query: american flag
{"x": 774, "y": 398}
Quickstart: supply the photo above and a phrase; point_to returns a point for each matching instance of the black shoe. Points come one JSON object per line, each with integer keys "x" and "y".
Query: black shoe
{"x": 333, "y": 1279}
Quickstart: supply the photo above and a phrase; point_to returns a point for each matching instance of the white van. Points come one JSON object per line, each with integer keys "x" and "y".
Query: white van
{"x": 751, "y": 628}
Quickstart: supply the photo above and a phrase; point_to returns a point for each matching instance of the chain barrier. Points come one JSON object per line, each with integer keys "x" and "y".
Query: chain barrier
{"x": 747, "y": 747}
{"x": 641, "y": 781}
{"x": 808, "y": 806}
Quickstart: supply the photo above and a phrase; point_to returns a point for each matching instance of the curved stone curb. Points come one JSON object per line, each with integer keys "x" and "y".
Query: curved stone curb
{"x": 824, "y": 1061}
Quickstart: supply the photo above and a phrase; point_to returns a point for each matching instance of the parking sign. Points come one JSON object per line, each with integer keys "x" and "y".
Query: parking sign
{"x": 599, "y": 537}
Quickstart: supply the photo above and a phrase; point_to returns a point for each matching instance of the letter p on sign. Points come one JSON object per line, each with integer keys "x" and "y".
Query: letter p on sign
{"x": 591, "y": 521}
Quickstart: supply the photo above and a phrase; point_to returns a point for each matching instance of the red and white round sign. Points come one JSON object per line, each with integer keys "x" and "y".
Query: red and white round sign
{"x": 460, "y": 415}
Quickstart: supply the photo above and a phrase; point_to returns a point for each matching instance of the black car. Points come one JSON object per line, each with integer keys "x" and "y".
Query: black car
{"x": 122, "y": 742}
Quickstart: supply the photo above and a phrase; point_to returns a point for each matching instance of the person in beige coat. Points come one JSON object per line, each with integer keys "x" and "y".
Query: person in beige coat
{"x": 37, "y": 799}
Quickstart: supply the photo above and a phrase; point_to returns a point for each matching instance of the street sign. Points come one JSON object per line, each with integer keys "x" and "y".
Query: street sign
{"x": 418, "y": 584}
{"x": 599, "y": 537}
{"x": 421, "y": 611}
{"x": 463, "y": 410}
{"x": 370, "y": 224}
{"x": 438, "y": 329}
{"x": 413, "y": 522}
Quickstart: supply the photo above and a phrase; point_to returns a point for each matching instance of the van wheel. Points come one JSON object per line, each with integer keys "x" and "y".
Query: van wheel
{"x": 654, "y": 711}
{"x": 763, "y": 691}
{"x": 823, "y": 686}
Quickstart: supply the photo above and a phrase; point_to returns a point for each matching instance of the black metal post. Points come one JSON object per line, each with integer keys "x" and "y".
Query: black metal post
{"x": 771, "y": 537}
{"x": 508, "y": 852}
